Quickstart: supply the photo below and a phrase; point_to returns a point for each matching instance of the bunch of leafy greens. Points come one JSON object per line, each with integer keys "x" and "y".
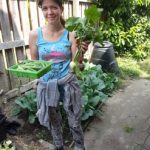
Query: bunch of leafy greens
{"x": 87, "y": 28}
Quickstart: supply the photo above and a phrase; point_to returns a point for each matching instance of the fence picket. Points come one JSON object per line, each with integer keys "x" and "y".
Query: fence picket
{"x": 4, "y": 82}
{"x": 24, "y": 19}
{"x": 5, "y": 23}
{"x": 34, "y": 16}
{"x": 16, "y": 25}
{"x": 70, "y": 9}
{"x": 65, "y": 12}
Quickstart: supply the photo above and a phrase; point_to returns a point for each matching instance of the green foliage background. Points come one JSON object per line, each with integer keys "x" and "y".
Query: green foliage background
{"x": 126, "y": 24}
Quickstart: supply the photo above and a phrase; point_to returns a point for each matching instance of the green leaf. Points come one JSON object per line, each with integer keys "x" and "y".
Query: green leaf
{"x": 22, "y": 102}
{"x": 128, "y": 129}
{"x": 89, "y": 92}
{"x": 94, "y": 101}
{"x": 93, "y": 14}
{"x": 73, "y": 22}
{"x": 16, "y": 111}
{"x": 87, "y": 114}
{"x": 84, "y": 100}
{"x": 101, "y": 85}
{"x": 31, "y": 118}
{"x": 30, "y": 94}
{"x": 103, "y": 97}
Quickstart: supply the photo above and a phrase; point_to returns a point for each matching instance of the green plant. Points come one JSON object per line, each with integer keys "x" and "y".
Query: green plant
{"x": 85, "y": 29}
{"x": 131, "y": 68}
{"x": 6, "y": 146}
{"x": 27, "y": 104}
{"x": 95, "y": 88}
{"x": 126, "y": 24}
{"x": 111, "y": 82}
{"x": 145, "y": 65}
{"x": 122, "y": 9}
{"x": 128, "y": 129}
{"x": 134, "y": 41}
{"x": 93, "y": 83}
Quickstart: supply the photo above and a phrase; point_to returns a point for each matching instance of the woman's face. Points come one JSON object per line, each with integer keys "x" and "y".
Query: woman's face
{"x": 51, "y": 11}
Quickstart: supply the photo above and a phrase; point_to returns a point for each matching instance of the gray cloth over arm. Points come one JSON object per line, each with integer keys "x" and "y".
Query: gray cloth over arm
{"x": 48, "y": 95}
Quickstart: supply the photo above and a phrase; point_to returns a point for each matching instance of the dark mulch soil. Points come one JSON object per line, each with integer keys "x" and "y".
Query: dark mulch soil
{"x": 28, "y": 135}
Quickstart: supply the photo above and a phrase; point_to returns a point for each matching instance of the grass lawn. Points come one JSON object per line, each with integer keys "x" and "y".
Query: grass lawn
{"x": 131, "y": 68}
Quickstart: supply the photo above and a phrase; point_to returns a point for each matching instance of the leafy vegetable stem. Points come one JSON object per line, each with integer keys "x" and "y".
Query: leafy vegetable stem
{"x": 91, "y": 107}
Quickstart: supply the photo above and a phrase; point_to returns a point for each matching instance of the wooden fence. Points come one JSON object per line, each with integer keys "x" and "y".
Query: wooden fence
{"x": 17, "y": 18}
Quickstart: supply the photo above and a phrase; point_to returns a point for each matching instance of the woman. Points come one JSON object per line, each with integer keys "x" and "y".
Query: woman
{"x": 54, "y": 42}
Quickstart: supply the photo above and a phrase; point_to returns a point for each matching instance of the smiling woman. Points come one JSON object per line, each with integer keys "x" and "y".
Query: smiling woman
{"x": 54, "y": 42}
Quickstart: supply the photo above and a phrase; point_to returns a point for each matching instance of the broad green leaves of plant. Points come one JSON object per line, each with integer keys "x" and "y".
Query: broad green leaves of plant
{"x": 126, "y": 25}
{"x": 93, "y": 14}
{"x": 87, "y": 114}
{"x": 72, "y": 23}
{"x": 95, "y": 88}
{"x": 86, "y": 28}
{"x": 26, "y": 103}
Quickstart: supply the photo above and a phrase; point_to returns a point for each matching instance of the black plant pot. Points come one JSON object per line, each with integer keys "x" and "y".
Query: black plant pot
{"x": 104, "y": 55}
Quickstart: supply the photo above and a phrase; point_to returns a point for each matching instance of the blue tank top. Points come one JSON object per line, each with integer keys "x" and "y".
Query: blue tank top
{"x": 58, "y": 51}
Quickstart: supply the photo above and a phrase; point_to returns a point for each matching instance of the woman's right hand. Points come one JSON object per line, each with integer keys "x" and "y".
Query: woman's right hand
{"x": 84, "y": 46}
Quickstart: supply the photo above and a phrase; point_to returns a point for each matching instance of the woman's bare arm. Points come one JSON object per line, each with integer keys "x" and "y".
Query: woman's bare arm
{"x": 32, "y": 44}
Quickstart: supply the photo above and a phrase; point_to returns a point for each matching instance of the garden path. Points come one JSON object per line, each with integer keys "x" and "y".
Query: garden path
{"x": 125, "y": 124}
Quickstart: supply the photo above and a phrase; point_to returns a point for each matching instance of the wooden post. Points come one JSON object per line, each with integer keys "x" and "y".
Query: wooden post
{"x": 76, "y": 8}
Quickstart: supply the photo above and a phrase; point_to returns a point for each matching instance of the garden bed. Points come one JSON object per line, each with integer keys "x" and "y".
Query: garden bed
{"x": 29, "y": 135}
{"x": 95, "y": 86}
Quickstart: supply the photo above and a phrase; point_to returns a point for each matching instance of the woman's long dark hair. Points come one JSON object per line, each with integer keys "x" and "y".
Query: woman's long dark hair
{"x": 59, "y": 2}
